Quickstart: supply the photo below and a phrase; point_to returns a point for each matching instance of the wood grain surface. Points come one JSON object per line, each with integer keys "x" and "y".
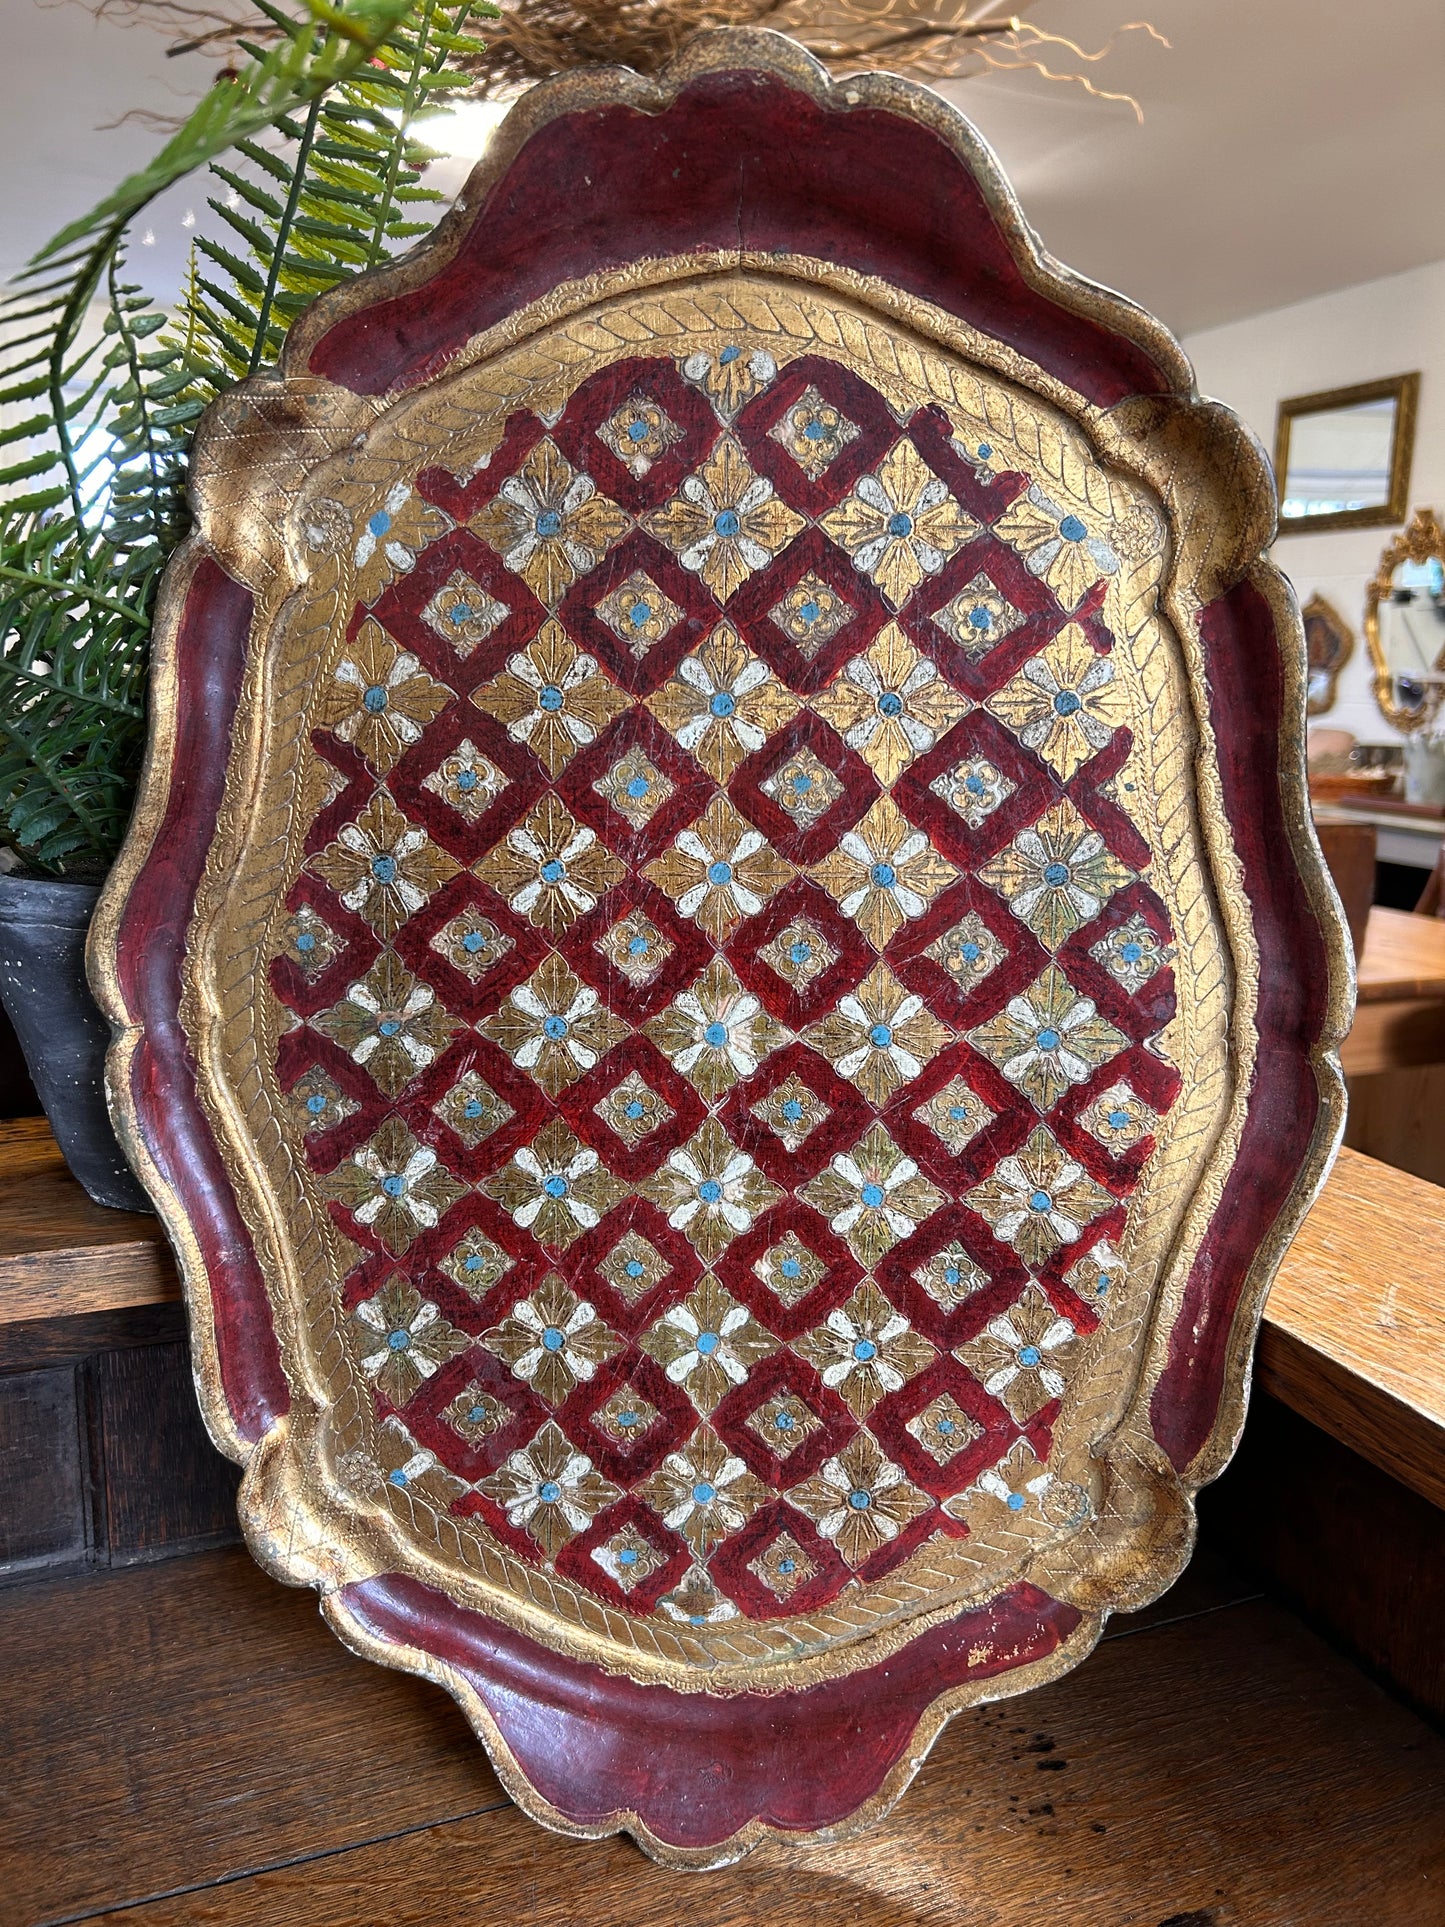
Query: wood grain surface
{"x": 61, "y": 1254}
{"x": 222, "y": 1760}
{"x": 1404, "y": 956}
{"x": 1354, "y": 1331}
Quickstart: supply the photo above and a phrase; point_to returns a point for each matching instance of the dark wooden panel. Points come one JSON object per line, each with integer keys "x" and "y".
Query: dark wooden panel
{"x": 165, "y": 1484}
{"x": 42, "y": 1482}
{"x": 59, "y": 1341}
{"x": 1224, "y": 1770}
{"x": 1362, "y": 1556}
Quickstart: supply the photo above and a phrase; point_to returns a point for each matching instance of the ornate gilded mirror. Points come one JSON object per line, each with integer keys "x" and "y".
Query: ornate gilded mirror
{"x": 1342, "y": 458}
{"x": 1329, "y": 644}
{"x": 1405, "y": 624}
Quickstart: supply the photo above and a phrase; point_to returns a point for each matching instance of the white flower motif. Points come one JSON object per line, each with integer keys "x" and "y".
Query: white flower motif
{"x": 556, "y": 869}
{"x": 726, "y": 1194}
{"x": 880, "y": 1040}
{"x": 556, "y": 1187}
{"x": 401, "y": 1189}
{"x": 720, "y": 699}
{"x": 556, "y": 1030}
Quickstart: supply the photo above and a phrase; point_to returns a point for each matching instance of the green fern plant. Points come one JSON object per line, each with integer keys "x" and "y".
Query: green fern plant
{"x": 323, "y": 177}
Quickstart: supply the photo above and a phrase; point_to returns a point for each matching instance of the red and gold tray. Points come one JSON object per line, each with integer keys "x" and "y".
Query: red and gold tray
{"x": 721, "y": 977}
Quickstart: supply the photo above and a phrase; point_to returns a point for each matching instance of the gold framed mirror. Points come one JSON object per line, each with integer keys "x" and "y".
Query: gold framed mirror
{"x": 1329, "y": 643}
{"x": 1342, "y": 457}
{"x": 1405, "y": 624}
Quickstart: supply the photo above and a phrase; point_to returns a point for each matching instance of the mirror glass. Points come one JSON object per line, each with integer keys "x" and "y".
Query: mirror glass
{"x": 1342, "y": 459}
{"x": 1412, "y": 631}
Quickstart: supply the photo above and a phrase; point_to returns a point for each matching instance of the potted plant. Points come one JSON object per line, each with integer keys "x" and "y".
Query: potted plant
{"x": 321, "y": 179}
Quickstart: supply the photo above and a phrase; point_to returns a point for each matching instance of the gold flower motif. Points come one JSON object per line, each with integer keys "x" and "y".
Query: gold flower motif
{"x": 1038, "y": 1199}
{"x": 725, "y": 522}
{"x": 1057, "y": 545}
{"x": 873, "y": 1196}
{"x": 550, "y": 1489}
{"x": 475, "y": 1414}
{"x": 635, "y": 946}
{"x": 890, "y": 704}
{"x": 1023, "y": 1356}
{"x": 549, "y": 524}
{"x": 462, "y": 613}
{"x": 634, "y": 1267}
{"x": 708, "y": 1343}
{"x": 715, "y": 1032}
{"x": 466, "y": 780}
{"x": 1056, "y": 875}
{"x": 719, "y": 871}
{"x": 968, "y": 952}
{"x": 955, "y": 1114}
{"x": 783, "y": 1566}
{"x": 639, "y": 614}
{"x": 730, "y": 375}
{"x": 552, "y": 698}
{"x": 635, "y": 787}
{"x": 391, "y": 538}
{"x": 383, "y": 866}
{"x": 472, "y": 1109}
{"x": 379, "y": 698}
{"x": 806, "y": 788}
{"x": 1021, "y": 1495}
{"x": 710, "y": 1191}
{"x": 404, "y": 1466}
{"x": 401, "y": 1339}
{"x": 554, "y": 1026}
{"x": 899, "y": 524}
{"x": 792, "y": 1112}
{"x": 789, "y": 1270}
{"x": 394, "y": 1185}
{"x": 390, "y": 1023}
{"x": 471, "y": 943}
{"x": 550, "y": 868}
{"x": 865, "y": 1349}
{"x": 883, "y": 872}
{"x": 1048, "y": 1038}
{"x": 814, "y": 432}
{"x": 553, "y": 1341}
{"x": 317, "y": 1102}
{"x": 860, "y": 1500}
{"x": 723, "y": 703}
{"x": 880, "y": 1036}
{"x": 783, "y": 1423}
{"x": 627, "y": 1558}
{"x": 633, "y": 1109}
{"x": 704, "y": 1492}
{"x": 1119, "y": 1118}
{"x": 555, "y": 1187}
{"x": 978, "y": 617}
{"x": 476, "y": 1264}
{"x": 943, "y": 1428}
{"x": 639, "y": 433}
{"x": 1065, "y": 703}
{"x": 811, "y": 614}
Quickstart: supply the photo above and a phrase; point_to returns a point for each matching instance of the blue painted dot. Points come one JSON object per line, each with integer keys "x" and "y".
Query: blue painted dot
{"x": 720, "y": 873}
{"x": 393, "y": 1185}
{"x": 638, "y": 431}
{"x": 703, "y": 1493}
{"x": 985, "y": 449}
{"x": 554, "y": 1027}
{"x": 626, "y": 1420}
{"x": 790, "y": 1268}
{"x": 801, "y": 782}
{"x": 627, "y": 1557}
{"x": 474, "y": 941}
{"x": 890, "y": 703}
{"x": 971, "y": 952}
{"x": 379, "y": 523}
{"x": 974, "y": 785}
{"x": 800, "y": 952}
{"x": 1056, "y": 875}
{"x": 1048, "y": 1039}
{"x": 316, "y": 1104}
{"x": 1072, "y": 529}
{"x": 722, "y": 704}
{"x": 637, "y": 946}
{"x": 873, "y": 1196}
{"x": 1015, "y": 1502}
{"x": 637, "y": 786}
{"x": 398, "y": 1341}
{"x": 555, "y": 1186}
{"x": 883, "y": 875}
{"x": 1103, "y": 1283}
{"x": 945, "y": 1426}
{"x": 466, "y": 779}
{"x": 729, "y": 355}
{"x": 1029, "y": 1356}
{"x": 707, "y": 1343}
{"x": 633, "y": 1108}
{"x": 549, "y": 523}
{"x": 373, "y": 699}
{"x": 640, "y": 614}
{"x": 461, "y": 612}
{"x": 633, "y": 1268}
{"x": 551, "y": 699}
{"x": 783, "y": 1422}
{"x": 900, "y": 523}
{"x": 709, "y": 1190}
{"x": 1066, "y": 703}
{"x": 1040, "y": 1201}
{"x": 810, "y": 611}
{"x": 1131, "y": 952}
{"x": 792, "y": 1110}
{"x": 1118, "y": 1119}
{"x": 305, "y": 942}
{"x": 980, "y": 619}
{"x": 716, "y": 1034}
{"x": 477, "y": 1414}
{"x": 389, "y": 1026}
{"x": 952, "y": 1275}
{"x": 383, "y": 868}
{"x": 397, "y": 1478}
{"x": 865, "y": 1351}
{"x": 549, "y": 1492}
{"x": 815, "y": 432}
{"x": 553, "y": 871}
{"x": 473, "y": 1107}
{"x": 787, "y": 1566}
{"x": 727, "y": 522}
{"x": 957, "y": 1113}
{"x": 859, "y": 1499}
{"x": 473, "y": 1261}
{"x": 881, "y": 1036}
{"x": 553, "y": 1339}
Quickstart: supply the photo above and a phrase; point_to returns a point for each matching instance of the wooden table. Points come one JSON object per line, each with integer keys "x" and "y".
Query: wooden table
{"x": 1400, "y": 1017}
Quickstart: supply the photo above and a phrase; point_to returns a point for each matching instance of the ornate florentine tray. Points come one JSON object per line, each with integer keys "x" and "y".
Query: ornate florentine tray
{"x": 721, "y": 976}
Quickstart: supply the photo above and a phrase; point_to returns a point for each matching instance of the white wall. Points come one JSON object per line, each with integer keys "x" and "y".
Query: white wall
{"x": 1379, "y": 328}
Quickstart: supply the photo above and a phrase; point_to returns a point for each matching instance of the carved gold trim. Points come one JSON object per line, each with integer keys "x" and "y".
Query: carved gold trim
{"x": 1422, "y": 540}
{"x": 1318, "y": 609}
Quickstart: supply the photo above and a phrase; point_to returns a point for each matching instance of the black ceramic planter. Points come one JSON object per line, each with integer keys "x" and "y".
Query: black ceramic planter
{"x": 62, "y": 1033}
